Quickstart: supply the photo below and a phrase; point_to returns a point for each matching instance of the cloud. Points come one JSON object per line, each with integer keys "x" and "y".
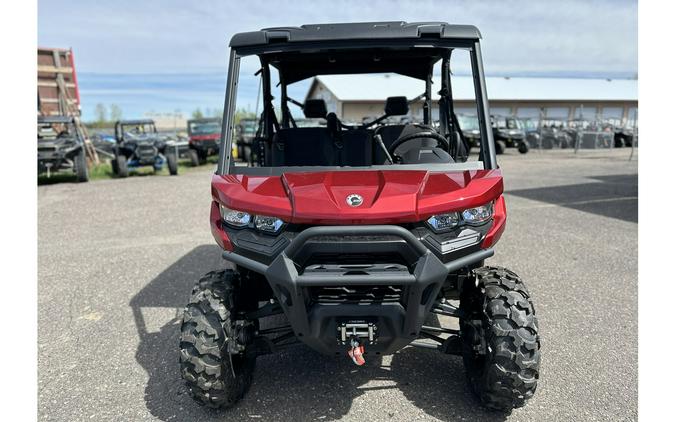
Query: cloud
{"x": 181, "y": 37}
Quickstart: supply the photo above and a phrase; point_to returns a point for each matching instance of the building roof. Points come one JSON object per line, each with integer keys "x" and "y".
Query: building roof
{"x": 379, "y": 87}
{"x": 354, "y": 31}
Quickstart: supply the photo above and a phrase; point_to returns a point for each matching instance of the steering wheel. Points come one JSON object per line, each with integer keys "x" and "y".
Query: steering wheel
{"x": 440, "y": 139}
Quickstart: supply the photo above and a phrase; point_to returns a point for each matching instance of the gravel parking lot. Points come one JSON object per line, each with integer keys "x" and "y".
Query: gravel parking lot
{"x": 118, "y": 258}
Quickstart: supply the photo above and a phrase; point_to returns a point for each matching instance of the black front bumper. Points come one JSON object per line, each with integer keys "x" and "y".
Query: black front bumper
{"x": 399, "y": 297}
{"x": 207, "y": 147}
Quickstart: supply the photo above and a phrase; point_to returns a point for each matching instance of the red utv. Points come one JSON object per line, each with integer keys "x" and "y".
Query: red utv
{"x": 204, "y": 137}
{"x": 360, "y": 234}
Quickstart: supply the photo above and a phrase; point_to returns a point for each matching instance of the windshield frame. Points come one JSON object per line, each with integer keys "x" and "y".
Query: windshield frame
{"x": 489, "y": 160}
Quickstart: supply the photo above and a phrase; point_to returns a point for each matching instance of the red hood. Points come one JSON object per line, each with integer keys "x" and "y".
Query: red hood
{"x": 394, "y": 196}
{"x": 209, "y": 137}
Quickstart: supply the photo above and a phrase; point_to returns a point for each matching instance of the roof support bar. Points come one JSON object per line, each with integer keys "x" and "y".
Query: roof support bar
{"x": 488, "y": 153}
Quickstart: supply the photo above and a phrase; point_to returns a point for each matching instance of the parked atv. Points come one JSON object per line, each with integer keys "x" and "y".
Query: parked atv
{"x": 204, "y": 136}
{"x": 138, "y": 145}
{"x": 358, "y": 233}
{"x": 509, "y": 133}
{"x": 246, "y": 132}
{"x": 471, "y": 129}
{"x": 61, "y": 147}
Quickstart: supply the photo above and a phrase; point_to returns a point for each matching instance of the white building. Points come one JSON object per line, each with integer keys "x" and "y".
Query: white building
{"x": 353, "y": 97}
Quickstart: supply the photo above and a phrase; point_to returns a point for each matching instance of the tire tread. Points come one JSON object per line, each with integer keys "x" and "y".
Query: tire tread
{"x": 509, "y": 377}
{"x": 204, "y": 361}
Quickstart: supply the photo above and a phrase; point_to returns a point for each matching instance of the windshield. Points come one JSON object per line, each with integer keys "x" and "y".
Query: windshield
{"x": 248, "y": 127}
{"x": 138, "y": 130}
{"x": 51, "y": 131}
{"x": 374, "y": 106}
{"x": 512, "y": 123}
{"x": 468, "y": 122}
{"x": 205, "y": 128}
{"x": 528, "y": 124}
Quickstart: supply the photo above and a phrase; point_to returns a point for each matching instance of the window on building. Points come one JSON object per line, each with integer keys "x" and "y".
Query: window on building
{"x": 612, "y": 112}
{"x": 466, "y": 110}
{"x": 528, "y": 112}
{"x": 632, "y": 117}
{"x": 585, "y": 112}
{"x": 500, "y": 111}
{"x": 560, "y": 113}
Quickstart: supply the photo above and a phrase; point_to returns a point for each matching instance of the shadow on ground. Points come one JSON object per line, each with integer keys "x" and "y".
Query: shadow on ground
{"x": 297, "y": 383}
{"x": 612, "y": 196}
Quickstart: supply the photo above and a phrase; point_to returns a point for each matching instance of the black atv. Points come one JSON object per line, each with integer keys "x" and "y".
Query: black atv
{"x": 508, "y": 133}
{"x": 246, "y": 130}
{"x": 61, "y": 147}
{"x": 138, "y": 145}
{"x": 470, "y": 129}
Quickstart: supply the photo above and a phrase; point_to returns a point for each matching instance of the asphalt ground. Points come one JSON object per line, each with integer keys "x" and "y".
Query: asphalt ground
{"x": 118, "y": 258}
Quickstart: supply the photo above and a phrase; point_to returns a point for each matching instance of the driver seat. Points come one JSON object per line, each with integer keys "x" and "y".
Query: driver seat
{"x": 394, "y": 106}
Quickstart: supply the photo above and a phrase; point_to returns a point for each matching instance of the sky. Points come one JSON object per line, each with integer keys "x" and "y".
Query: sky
{"x": 167, "y": 56}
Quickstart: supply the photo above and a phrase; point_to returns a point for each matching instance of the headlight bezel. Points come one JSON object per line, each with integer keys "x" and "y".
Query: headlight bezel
{"x": 248, "y": 220}
{"x": 486, "y": 211}
{"x": 277, "y": 223}
{"x": 461, "y": 219}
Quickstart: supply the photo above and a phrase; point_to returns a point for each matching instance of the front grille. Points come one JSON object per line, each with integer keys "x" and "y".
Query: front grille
{"x": 146, "y": 152}
{"x": 355, "y": 259}
{"x": 356, "y": 294}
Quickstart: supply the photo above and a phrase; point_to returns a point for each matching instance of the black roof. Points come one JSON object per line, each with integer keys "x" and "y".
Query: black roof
{"x": 205, "y": 120}
{"x": 354, "y": 31}
{"x": 56, "y": 119}
{"x": 135, "y": 122}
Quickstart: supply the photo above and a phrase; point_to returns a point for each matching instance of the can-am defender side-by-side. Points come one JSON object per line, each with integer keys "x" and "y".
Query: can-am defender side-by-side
{"x": 61, "y": 147}
{"x": 360, "y": 234}
{"x": 203, "y": 135}
{"x": 138, "y": 145}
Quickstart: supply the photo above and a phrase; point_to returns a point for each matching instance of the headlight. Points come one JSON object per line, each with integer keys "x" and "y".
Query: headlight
{"x": 235, "y": 218}
{"x": 477, "y": 215}
{"x": 240, "y": 219}
{"x": 442, "y": 222}
{"x": 471, "y": 216}
{"x": 267, "y": 224}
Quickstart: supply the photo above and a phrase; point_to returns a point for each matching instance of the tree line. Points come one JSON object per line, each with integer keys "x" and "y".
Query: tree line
{"x": 106, "y": 116}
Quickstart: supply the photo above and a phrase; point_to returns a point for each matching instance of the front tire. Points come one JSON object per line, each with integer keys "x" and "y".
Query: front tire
{"x": 81, "y": 170}
{"x": 122, "y": 169}
{"x": 172, "y": 163}
{"x": 500, "y": 147}
{"x": 523, "y": 147}
{"x": 194, "y": 158}
{"x": 214, "y": 377}
{"x": 500, "y": 339}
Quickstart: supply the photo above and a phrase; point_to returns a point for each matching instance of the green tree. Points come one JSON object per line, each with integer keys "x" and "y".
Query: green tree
{"x": 243, "y": 113}
{"x": 197, "y": 114}
{"x": 115, "y": 113}
{"x": 101, "y": 114}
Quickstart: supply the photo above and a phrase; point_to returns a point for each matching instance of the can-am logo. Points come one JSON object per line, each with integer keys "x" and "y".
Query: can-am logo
{"x": 354, "y": 200}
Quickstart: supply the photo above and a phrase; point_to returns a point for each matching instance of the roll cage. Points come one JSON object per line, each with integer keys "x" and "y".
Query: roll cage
{"x": 121, "y": 124}
{"x": 192, "y": 123}
{"x": 300, "y": 53}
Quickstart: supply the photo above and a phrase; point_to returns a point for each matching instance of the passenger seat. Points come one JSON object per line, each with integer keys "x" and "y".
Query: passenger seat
{"x": 304, "y": 146}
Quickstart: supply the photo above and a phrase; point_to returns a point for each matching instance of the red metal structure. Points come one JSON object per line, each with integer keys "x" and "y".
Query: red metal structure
{"x": 58, "y": 91}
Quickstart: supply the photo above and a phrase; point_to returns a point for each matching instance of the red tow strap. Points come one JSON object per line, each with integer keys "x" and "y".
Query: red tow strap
{"x": 356, "y": 353}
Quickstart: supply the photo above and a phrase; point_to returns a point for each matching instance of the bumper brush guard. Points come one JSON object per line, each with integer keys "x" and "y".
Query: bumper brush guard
{"x": 397, "y": 323}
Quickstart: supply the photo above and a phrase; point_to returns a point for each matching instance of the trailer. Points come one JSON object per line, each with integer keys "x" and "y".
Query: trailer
{"x": 58, "y": 93}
